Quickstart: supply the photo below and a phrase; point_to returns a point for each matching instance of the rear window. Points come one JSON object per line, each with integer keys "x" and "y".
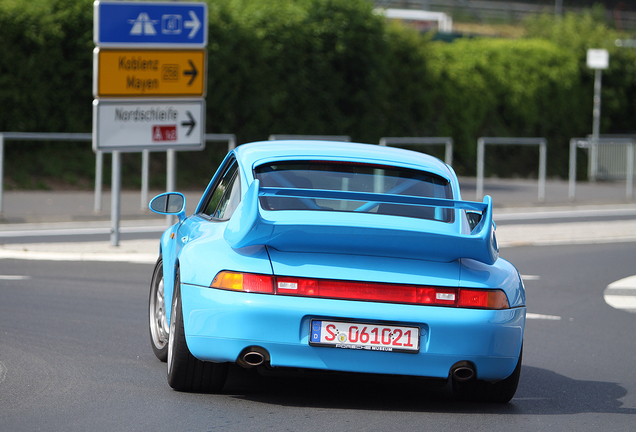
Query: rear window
{"x": 357, "y": 178}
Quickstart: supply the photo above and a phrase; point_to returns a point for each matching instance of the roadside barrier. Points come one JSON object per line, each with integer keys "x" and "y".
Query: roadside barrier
{"x": 99, "y": 161}
{"x": 481, "y": 150}
{"x": 447, "y": 142}
{"x": 592, "y": 145}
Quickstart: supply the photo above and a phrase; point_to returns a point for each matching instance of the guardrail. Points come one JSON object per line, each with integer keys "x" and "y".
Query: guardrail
{"x": 481, "y": 150}
{"x": 446, "y": 141}
{"x": 99, "y": 160}
{"x": 37, "y": 136}
{"x": 588, "y": 143}
{"x": 279, "y": 137}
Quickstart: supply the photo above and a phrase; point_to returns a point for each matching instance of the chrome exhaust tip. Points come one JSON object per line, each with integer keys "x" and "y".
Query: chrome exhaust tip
{"x": 463, "y": 371}
{"x": 253, "y": 356}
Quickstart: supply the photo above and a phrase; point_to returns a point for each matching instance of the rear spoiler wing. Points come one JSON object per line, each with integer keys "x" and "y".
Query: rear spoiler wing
{"x": 341, "y": 232}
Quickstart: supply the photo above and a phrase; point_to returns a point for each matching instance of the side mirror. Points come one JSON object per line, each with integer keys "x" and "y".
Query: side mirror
{"x": 473, "y": 219}
{"x": 169, "y": 203}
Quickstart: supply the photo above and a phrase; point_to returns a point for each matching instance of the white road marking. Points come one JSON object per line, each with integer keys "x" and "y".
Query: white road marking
{"x": 14, "y": 277}
{"x": 530, "y": 277}
{"x": 543, "y": 317}
{"x": 622, "y": 294}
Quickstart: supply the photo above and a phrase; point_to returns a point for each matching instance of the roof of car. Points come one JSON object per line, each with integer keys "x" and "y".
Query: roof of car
{"x": 254, "y": 154}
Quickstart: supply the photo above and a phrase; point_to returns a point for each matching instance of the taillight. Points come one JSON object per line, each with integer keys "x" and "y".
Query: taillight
{"x": 247, "y": 282}
{"x": 364, "y": 291}
{"x": 484, "y": 299}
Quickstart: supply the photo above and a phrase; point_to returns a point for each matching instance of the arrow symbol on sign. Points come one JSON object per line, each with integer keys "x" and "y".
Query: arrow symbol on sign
{"x": 190, "y": 123}
{"x": 195, "y": 24}
{"x": 193, "y": 72}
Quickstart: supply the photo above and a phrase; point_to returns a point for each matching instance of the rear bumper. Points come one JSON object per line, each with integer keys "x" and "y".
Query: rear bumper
{"x": 219, "y": 325}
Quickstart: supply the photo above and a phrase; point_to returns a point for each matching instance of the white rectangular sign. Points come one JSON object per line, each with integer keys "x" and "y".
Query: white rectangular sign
{"x": 597, "y": 58}
{"x": 135, "y": 125}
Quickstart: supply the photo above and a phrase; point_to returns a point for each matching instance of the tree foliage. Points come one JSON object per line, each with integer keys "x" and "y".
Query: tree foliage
{"x": 325, "y": 67}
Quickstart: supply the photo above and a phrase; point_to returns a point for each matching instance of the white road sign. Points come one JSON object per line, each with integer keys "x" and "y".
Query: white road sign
{"x": 597, "y": 58}
{"x": 135, "y": 125}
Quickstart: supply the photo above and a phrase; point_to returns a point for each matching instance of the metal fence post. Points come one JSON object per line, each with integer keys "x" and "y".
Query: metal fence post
{"x": 572, "y": 173}
{"x": 542, "y": 169}
{"x": 171, "y": 177}
{"x": 1, "y": 169}
{"x": 145, "y": 162}
{"x": 115, "y": 201}
{"x": 448, "y": 154}
{"x": 481, "y": 147}
{"x": 596, "y": 125}
{"x": 99, "y": 166}
{"x": 629, "y": 192}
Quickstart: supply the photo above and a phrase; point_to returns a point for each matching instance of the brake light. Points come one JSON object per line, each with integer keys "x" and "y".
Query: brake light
{"x": 364, "y": 291}
{"x": 247, "y": 282}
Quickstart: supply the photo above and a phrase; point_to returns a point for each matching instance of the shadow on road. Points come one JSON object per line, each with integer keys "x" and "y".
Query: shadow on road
{"x": 540, "y": 392}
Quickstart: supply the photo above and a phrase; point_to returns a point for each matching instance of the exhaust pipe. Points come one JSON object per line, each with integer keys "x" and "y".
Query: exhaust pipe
{"x": 252, "y": 356}
{"x": 463, "y": 371}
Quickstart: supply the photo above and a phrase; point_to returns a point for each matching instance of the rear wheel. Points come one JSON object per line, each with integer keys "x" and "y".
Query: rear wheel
{"x": 185, "y": 372}
{"x": 157, "y": 314}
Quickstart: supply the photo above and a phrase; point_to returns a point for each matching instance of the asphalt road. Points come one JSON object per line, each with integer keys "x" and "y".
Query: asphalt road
{"x": 75, "y": 356}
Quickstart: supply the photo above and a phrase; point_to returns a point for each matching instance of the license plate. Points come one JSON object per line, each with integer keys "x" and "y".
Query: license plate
{"x": 363, "y": 336}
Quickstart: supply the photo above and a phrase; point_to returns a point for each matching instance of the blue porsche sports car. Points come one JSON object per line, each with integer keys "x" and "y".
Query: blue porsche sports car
{"x": 336, "y": 256}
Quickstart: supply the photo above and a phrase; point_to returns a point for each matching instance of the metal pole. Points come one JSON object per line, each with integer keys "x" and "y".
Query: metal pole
{"x": 1, "y": 170}
{"x": 145, "y": 162}
{"x": 115, "y": 199}
{"x": 596, "y": 125}
{"x": 542, "y": 170}
{"x": 630, "y": 171}
{"x": 448, "y": 156}
{"x": 572, "y": 174}
{"x": 171, "y": 182}
{"x": 480, "y": 169}
{"x": 99, "y": 165}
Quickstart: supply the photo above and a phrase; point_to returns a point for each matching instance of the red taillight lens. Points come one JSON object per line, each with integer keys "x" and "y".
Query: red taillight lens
{"x": 247, "y": 282}
{"x": 365, "y": 291}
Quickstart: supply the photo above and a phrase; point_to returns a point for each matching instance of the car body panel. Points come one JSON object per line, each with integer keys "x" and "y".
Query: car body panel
{"x": 367, "y": 233}
{"x": 231, "y": 321}
{"x": 220, "y": 324}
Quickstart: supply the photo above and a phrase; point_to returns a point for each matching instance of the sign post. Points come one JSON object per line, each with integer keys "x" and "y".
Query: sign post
{"x": 149, "y": 83}
{"x": 597, "y": 59}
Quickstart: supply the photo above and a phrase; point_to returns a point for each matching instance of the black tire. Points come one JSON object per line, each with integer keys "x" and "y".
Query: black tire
{"x": 158, "y": 323}
{"x": 185, "y": 372}
{"x": 480, "y": 391}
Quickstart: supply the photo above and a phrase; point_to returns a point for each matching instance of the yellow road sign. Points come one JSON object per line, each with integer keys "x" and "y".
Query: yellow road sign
{"x": 141, "y": 73}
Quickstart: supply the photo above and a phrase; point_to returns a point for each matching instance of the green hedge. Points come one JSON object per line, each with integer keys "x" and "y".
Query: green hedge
{"x": 319, "y": 67}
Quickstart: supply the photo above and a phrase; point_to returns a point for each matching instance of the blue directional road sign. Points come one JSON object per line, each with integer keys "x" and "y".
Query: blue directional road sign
{"x": 151, "y": 25}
